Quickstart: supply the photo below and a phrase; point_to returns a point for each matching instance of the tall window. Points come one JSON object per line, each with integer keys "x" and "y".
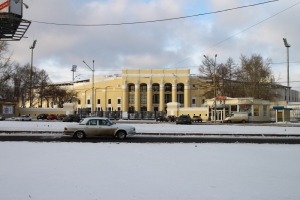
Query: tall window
{"x": 143, "y": 98}
{"x": 180, "y": 98}
{"x": 168, "y": 98}
{"x": 168, "y": 88}
{"x": 131, "y": 98}
{"x": 131, "y": 88}
{"x": 156, "y": 98}
{"x": 180, "y": 87}
{"x": 98, "y": 101}
{"x": 79, "y": 102}
{"x": 155, "y": 88}
{"x": 109, "y": 101}
{"x": 143, "y": 108}
{"x": 119, "y": 101}
{"x": 88, "y": 101}
{"x": 143, "y": 88}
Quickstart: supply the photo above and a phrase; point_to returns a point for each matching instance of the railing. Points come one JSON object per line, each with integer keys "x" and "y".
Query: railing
{"x": 116, "y": 115}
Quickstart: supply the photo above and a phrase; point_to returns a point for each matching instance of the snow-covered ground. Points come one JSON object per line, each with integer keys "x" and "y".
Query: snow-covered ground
{"x": 93, "y": 171}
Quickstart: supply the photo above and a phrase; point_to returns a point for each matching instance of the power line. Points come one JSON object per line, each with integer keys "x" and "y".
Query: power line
{"x": 284, "y": 62}
{"x": 153, "y": 21}
{"x": 195, "y": 54}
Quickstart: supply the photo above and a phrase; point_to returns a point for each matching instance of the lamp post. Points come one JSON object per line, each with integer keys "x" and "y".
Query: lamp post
{"x": 92, "y": 83}
{"x": 30, "y": 97}
{"x": 287, "y": 45}
{"x": 214, "y": 86}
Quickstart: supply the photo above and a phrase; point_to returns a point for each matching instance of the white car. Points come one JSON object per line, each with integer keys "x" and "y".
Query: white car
{"x": 23, "y": 118}
{"x": 98, "y": 126}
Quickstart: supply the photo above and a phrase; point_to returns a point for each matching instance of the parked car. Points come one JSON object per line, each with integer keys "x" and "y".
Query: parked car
{"x": 2, "y": 118}
{"x": 196, "y": 118}
{"x": 23, "y": 118}
{"x": 51, "y": 117}
{"x": 161, "y": 118}
{"x": 42, "y": 116}
{"x": 61, "y": 117}
{"x": 99, "y": 126}
{"x": 184, "y": 119}
{"x": 71, "y": 118}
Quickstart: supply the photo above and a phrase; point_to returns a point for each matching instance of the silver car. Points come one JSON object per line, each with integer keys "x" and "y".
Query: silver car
{"x": 23, "y": 118}
{"x": 98, "y": 126}
{"x": 2, "y": 118}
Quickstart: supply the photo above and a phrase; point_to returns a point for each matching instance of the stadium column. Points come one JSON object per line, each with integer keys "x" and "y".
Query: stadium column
{"x": 174, "y": 91}
{"x": 162, "y": 96}
{"x": 125, "y": 97}
{"x": 187, "y": 94}
{"x": 137, "y": 96}
{"x": 149, "y": 96}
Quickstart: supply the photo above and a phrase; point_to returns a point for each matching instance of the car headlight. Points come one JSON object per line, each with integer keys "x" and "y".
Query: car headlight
{"x": 132, "y": 129}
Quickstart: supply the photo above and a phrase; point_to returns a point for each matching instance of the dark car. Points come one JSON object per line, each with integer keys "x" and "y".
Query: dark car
{"x": 184, "y": 119}
{"x": 71, "y": 118}
{"x": 42, "y": 116}
{"x": 61, "y": 117}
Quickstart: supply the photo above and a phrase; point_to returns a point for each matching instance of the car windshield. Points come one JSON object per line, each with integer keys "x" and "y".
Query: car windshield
{"x": 109, "y": 122}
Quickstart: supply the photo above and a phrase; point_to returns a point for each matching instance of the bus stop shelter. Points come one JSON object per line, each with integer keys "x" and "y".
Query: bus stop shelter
{"x": 282, "y": 113}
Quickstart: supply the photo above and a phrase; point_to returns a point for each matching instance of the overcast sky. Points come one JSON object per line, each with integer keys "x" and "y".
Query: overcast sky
{"x": 168, "y": 44}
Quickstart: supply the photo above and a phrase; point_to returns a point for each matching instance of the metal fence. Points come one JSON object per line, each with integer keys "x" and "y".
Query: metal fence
{"x": 137, "y": 115}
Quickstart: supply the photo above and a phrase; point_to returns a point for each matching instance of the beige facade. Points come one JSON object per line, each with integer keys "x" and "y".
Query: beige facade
{"x": 141, "y": 90}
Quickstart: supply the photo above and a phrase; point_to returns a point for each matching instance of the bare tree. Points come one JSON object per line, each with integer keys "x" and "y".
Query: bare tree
{"x": 254, "y": 77}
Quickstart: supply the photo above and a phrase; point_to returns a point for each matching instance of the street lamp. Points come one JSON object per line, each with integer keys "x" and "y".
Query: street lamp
{"x": 214, "y": 86}
{"x": 93, "y": 84}
{"x": 31, "y": 47}
{"x": 286, "y": 44}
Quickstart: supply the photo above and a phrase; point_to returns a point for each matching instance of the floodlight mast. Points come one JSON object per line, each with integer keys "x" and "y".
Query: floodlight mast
{"x": 30, "y": 97}
{"x": 287, "y": 45}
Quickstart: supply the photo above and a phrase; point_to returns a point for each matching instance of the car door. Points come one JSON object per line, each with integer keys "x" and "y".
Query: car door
{"x": 105, "y": 128}
{"x": 92, "y": 128}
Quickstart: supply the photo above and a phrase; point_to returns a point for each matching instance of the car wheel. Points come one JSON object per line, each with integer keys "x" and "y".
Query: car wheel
{"x": 121, "y": 135}
{"x": 80, "y": 135}
{"x": 243, "y": 121}
{"x": 229, "y": 121}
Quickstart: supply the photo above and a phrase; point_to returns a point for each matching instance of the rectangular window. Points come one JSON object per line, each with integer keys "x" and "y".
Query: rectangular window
{"x": 109, "y": 101}
{"x": 119, "y": 101}
{"x": 256, "y": 110}
{"x": 79, "y": 102}
{"x": 131, "y": 98}
{"x": 233, "y": 108}
{"x": 265, "y": 111}
{"x": 193, "y": 101}
{"x": 98, "y": 101}
{"x": 88, "y": 101}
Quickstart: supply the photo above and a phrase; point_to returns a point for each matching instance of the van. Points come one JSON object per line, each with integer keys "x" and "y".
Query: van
{"x": 237, "y": 117}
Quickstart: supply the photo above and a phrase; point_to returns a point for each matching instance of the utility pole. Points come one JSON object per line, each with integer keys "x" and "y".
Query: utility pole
{"x": 92, "y": 109}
